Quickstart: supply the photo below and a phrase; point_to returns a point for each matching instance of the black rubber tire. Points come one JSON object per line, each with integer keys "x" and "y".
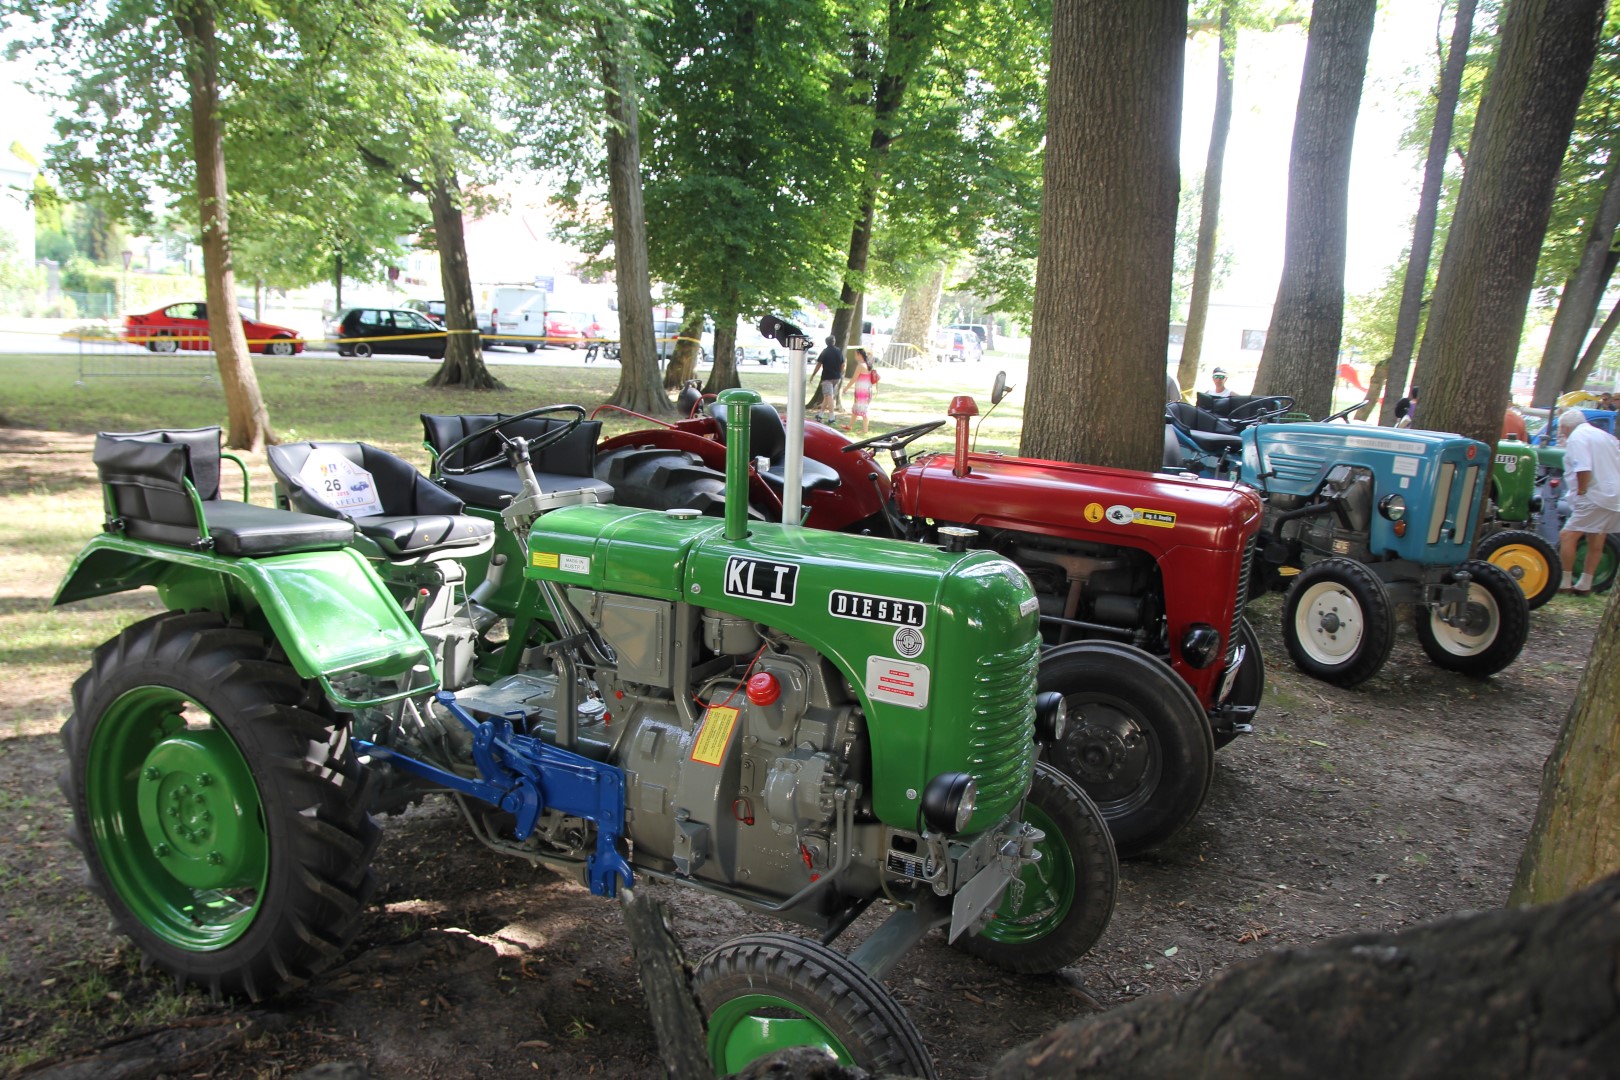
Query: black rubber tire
{"x": 1507, "y": 614}
{"x": 279, "y": 347}
{"x": 345, "y": 351}
{"x": 362, "y": 349}
{"x": 1139, "y": 743}
{"x": 651, "y": 478}
{"x": 1351, "y": 592}
{"x": 529, "y": 346}
{"x": 852, "y": 1005}
{"x": 1511, "y": 547}
{"x": 1096, "y": 871}
{"x": 1249, "y": 684}
{"x": 163, "y": 343}
{"x": 313, "y": 793}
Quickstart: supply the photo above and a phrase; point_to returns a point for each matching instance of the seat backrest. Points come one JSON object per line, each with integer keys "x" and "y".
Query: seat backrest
{"x": 146, "y": 473}
{"x": 400, "y": 489}
{"x": 1219, "y": 406}
{"x": 575, "y": 455}
{"x": 1190, "y": 417}
{"x": 767, "y": 434}
{"x": 690, "y": 398}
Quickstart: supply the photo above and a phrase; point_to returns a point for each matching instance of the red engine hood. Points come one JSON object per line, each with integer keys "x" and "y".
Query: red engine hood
{"x": 1154, "y": 511}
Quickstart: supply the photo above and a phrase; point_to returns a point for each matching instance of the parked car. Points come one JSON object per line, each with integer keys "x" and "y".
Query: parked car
{"x": 517, "y": 316}
{"x": 364, "y": 331}
{"x": 561, "y": 331}
{"x": 752, "y": 345}
{"x": 433, "y": 309}
{"x": 954, "y": 345}
{"x": 665, "y": 333}
{"x": 980, "y": 330}
{"x": 597, "y": 326}
{"x": 185, "y": 326}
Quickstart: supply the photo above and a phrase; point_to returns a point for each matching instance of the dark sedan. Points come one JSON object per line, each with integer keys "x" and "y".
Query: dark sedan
{"x": 364, "y": 331}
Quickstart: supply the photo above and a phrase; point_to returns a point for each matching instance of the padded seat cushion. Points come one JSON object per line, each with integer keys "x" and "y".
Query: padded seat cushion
{"x": 409, "y": 535}
{"x": 245, "y": 529}
{"x": 492, "y": 488}
{"x": 817, "y": 477}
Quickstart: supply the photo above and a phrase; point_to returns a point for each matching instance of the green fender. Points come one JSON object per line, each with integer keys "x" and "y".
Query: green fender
{"x": 328, "y": 610}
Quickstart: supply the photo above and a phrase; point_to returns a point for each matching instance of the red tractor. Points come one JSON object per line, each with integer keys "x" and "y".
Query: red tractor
{"x": 1141, "y": 580}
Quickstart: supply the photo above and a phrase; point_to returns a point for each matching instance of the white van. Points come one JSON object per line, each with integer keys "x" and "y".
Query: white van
{"x": 518, "y": 314}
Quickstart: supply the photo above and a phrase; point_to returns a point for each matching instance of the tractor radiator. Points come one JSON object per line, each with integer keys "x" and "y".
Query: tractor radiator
{"x": 1245, "y": 573}
{"x": 1003, "y": 711}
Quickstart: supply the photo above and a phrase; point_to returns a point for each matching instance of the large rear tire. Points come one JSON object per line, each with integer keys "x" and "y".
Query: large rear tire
{"x": 1528, "y": 559}
{"x": 1608, "y": 563}
{"x": 768, "y": 992}
{"x": 220, "y": 810}
{"x": 1058, "y": 908}
{"x": 1138, "y": 743}
{"x": 659, "y": 479}
{"x": 1338, "y": 622}
{"x": 1489, "y": 633}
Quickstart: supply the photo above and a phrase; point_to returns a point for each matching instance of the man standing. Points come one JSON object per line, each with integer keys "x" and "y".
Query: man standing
{"x": 831, "y": 365}
{"x": 1220, "y": 391}
{"x": 1592, "y": 469}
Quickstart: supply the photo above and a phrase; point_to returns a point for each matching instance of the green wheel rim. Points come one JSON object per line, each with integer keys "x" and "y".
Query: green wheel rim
{"x": 175, "y": 816}
{"x": 1037, "y": 903}
{"x": 1605, "y": 567}
{"x": 747, "y": 1028}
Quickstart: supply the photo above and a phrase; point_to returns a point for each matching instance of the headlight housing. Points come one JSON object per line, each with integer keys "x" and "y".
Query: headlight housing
{"x": 1051, "y": 716}
{"x": 1393, "y": 507}
{"x": 949, "y": 801}
{"x": 1201, "y": 645}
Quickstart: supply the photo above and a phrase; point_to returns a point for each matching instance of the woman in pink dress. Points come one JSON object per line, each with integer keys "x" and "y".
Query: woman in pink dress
{"x": 864, "y": 379}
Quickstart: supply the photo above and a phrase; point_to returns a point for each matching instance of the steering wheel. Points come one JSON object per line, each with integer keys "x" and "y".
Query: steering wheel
{"x": 1260, "y": 409}
{"x": 895, "y": 442}
{"x": 1342, "y": 414}
{"x": 548, "y": 439}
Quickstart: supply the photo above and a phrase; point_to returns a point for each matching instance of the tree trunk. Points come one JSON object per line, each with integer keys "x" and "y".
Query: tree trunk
{"x": 1577, "y": 308}
{"x": 1594, "y": 349}
{"x": 860, "y": 253}
{"x": 463, "y": 365}
{"x": 1576, "y": 836}
{"x": 641, "y": 384}
{"x": 1192, "y": 342}
{"x": 1107, "y": 240}
{"x": 337, "y": 280}
{"x": 1434, "y": 175}
{"x": 1301, "y": 357}
{"x": 723, "y": 375}
{"x": 1522, "y": 131}
{"x": 919, "y": 307}
{"x": 1375, "y": 389}
{"x": 247, "y": 420}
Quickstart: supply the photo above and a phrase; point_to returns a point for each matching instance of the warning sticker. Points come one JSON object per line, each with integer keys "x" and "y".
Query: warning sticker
{"x": 714, "y": 735}
{"x": 340, "y": 483}
{"x": 1094, "y": 512}
{"x": 899, "y": 682}
{"x": 547, "y": 559}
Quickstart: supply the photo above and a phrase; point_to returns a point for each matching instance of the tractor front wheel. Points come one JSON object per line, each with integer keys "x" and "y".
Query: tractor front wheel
{"x": 1249, "y": 684}
{"x": 221, "y": 812}
{"x": 767, "y": 992}
{"x": 1528, "y": 559}
{"x": 1487, "y": 631}
{"x": 1338, "y": 622}
{"x": 1608, "y": 562}
{"x": 1138, "y": 742}
{"x": 1059, "y": 906}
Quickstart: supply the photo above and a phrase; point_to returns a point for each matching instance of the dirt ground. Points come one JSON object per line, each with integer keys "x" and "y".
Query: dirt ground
{"x": 1345, "y": 811}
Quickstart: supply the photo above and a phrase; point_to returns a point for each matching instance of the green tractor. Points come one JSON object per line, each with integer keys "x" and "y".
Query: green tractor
{"x": 1508, "y": 537}
{"x": 799, "y": 722}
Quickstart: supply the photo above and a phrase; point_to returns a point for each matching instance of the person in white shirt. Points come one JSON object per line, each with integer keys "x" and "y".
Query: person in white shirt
{"x": 1592, "y": 468}
{"x": 1219, "y": 375}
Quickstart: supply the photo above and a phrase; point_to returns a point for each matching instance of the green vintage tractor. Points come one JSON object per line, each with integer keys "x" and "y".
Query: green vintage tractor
{"x": 1508, "y": 537}
{"x": 799, "y": 722}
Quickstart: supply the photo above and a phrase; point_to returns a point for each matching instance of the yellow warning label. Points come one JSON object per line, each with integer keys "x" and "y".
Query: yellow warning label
{"x": 546, "y": 559}
{"x": 1094, "y": 512}
{"x": 1164, "y": 519}
{"x": 718, "y": 723}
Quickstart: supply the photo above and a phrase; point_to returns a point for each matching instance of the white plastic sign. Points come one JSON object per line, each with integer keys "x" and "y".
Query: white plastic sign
{"x": 340, "y": 483}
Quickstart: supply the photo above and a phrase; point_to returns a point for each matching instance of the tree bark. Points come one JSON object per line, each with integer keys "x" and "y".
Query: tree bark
{"x": 1301, "y": 357}
{"x": 723, "y": 373}
{"x": 1475, "y": 319}
{"x": 641, "y": 384}
{"x": 919, "y": 307}
{"x": 1107, "y": 239}
{"x": 1600, "y": 340}
{"x": 1192, "y": 342}
{"x": 248, "y": 421}
{"x": 463, "y": 350}
{"x": 1576, "y": 836}
{"x": 1428, "y": 211}
{"x": 1577, "y": 308}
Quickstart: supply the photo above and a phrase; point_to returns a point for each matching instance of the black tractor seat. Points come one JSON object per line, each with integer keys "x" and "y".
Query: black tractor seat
{"x": 1208, "y": 432}
{"x": 767, "y": 438}
{"x": 560, "y": 468}
{"x": 147, "y": 474}
{"x": 418, "y": 517}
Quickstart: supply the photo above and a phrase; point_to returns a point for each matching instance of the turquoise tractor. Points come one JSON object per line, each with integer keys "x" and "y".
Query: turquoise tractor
{"x": 799, "y": 722}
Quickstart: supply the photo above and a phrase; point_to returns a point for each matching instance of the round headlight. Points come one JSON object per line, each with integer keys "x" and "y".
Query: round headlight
{"x": 1051, "y": 716}
{"x": 949, "y": 801}
{"x": 1392, "y": 507}
{"x": 1201, "y": 645}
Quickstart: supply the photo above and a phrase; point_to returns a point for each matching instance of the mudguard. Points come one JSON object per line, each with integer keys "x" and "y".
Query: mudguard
{"x": 327, "y": 609}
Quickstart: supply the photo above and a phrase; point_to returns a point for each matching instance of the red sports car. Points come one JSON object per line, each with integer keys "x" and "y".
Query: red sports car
{"x": 185, "y": 326}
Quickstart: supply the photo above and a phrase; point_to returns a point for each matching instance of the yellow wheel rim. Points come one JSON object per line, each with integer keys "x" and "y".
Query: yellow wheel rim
{"x": 1524, "y": 565}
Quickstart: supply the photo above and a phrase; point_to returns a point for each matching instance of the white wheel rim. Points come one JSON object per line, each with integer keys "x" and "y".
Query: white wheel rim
{"x": 1459, "y": 640}
{"x": 1329, "y": 623}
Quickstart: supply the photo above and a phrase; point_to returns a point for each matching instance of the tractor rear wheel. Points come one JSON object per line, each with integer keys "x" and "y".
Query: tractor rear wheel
{"x": 1490, "y": 630}
{"x": 767, "y": 992}
{"x": 1528, "y": 559}
{"x": 1249, "y": 684}
{"x": 1338, "y": 622}
{"x": 1608, "y": 563}
{"x": 652, "y": 478}
{"x": 220, "y": 810}
{"x": 1058, "y": 908}
{"x": 1138, "y": 743}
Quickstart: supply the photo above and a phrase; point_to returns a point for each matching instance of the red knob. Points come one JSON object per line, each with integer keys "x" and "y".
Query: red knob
{"x": 763, "y": 689}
